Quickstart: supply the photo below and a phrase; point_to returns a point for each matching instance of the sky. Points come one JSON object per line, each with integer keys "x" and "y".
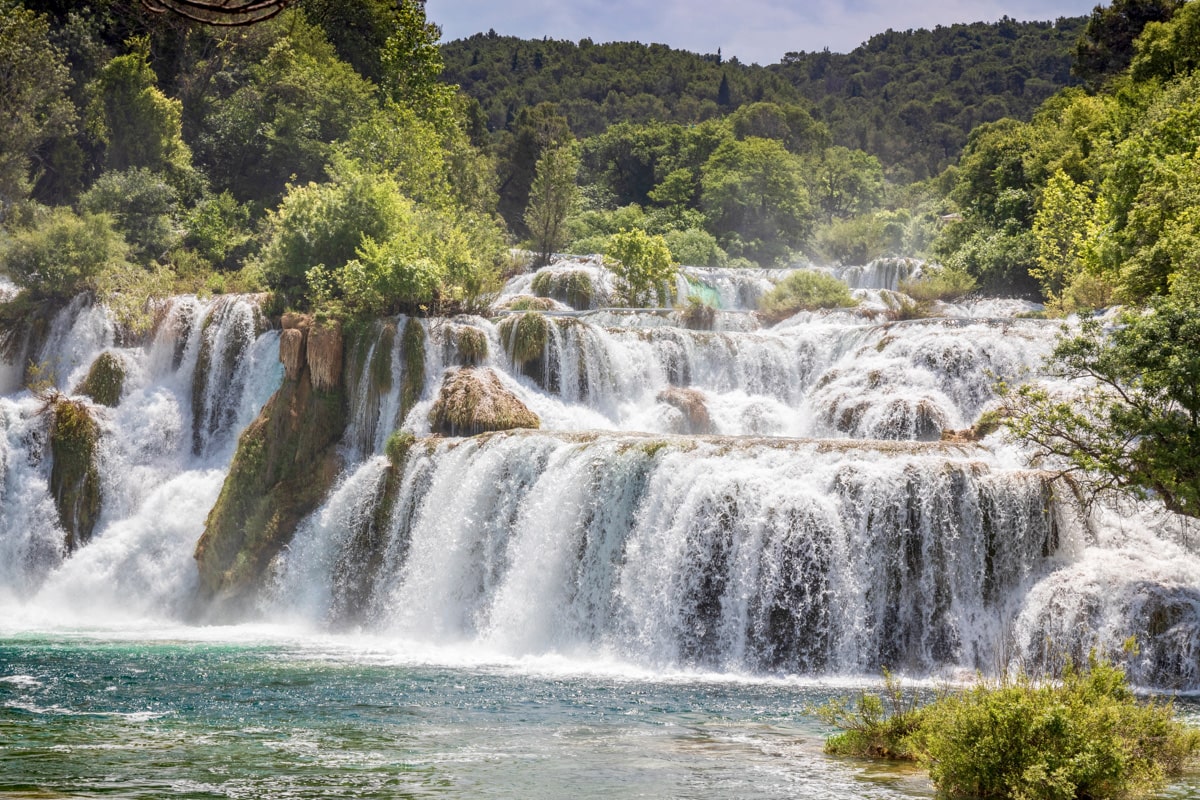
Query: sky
{"x": 756, "y": 31}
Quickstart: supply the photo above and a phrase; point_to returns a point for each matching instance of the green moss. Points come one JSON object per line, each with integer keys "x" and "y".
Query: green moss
{"x": 472, "y": 346}
{"x": 74, "y": 476}
{"x": 524, "y": 337}
{"x": 381, "y": 360}
{"x": 412, "y": 347}
{"x": 473, "y": 401}
{"x": 573, "y": 287}
{"x": 397, "y": 447}
{"x": 527, "y": 303}
{"x": 105, "y": 380}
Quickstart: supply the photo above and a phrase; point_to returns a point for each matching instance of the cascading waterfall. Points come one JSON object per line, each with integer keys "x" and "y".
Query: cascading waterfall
{"x": 157, "y": 484}
{"x": 746, "y": 555}
{"x": 666, "y": 515}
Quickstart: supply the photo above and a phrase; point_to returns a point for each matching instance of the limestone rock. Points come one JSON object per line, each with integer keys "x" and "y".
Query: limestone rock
{"x": 291, "y": 352}
{"x": 693, "y": 405}
{"x": 325, "y": 355}
{"x": 472, "y": 400}
{"x": 74, "y": 474}
{"x": 105, "y": 380}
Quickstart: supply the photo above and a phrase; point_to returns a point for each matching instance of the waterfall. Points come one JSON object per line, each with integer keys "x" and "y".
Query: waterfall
{"x": 745, "y": 555}
{"x": 736, "y": 499}
{"x": 201, "y": 377}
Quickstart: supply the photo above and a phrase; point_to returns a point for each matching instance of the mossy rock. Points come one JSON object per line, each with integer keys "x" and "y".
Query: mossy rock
{"x": 285, "y": 464}
{"x": 105, "y": 381}
{"x": 470, "y": 345}
{"x": 524, "y": 302}
{"x": 397, "y": 447}
{"x": 473, "y": 401}
{"x": 74, "y": 475}
{"x": 524, "y": 337}
{"x": 412, "y": 350}
{"x": 573, "y": 287}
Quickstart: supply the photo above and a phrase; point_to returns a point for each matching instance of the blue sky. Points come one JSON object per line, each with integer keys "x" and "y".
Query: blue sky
{"x": 754, "y": 30}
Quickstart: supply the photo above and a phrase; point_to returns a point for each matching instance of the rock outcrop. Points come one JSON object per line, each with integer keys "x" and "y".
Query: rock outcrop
{"x": 472, "y": 400}
{"x": 105, "y": 380}
{"x": 692, "y": 404}
{"x": 74, "y": 475}
{"x": 285, "y": 463}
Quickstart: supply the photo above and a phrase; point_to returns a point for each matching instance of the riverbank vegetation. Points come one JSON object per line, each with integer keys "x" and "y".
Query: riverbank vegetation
{"x": 1086, "y": 735}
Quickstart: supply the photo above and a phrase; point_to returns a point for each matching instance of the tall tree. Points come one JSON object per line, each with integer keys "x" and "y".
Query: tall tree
{"x": 34, "y": 107}
{"x": 552, "y": 198}
{"x": 1106, "y": 45}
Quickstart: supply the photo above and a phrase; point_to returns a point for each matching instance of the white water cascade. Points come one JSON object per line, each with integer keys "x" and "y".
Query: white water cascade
{"x": 734, "y": 499}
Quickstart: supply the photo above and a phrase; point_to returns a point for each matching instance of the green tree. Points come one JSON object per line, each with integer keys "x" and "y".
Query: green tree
{"x": 1134, "y": 424}
{"x": 753, "y": 194}
{"x": 552, "y": 198}
{"x": 63, "y": 253}
{"x": 138, "y": 125}
{"x": 1066, "y": 232}
{"x": 34, "y": 107}
{"x": 643, "y": 266}
{"x": 787, "y": 123}
{"x": 144, "y": 207}
{"x": 1106, "y": 45}
{"x": 844, "y": 182}
{"x": 534, "y": 130}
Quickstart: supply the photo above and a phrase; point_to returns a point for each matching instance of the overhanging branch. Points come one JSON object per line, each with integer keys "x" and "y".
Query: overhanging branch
{"x": 229, "y": 13}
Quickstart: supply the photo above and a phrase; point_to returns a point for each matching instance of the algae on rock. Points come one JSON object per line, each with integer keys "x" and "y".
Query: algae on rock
{"x": 74, "y": 475}
{"x": 473, "y": 400}
{"x": 412, "y": 346}
{"x": 105, "y": 380}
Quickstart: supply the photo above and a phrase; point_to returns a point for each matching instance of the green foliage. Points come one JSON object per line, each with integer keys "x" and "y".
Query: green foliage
{"x": 533, "y": 131}
{"x": 1066, "y": 230}
{"x": 1106, "y": 46}
{"x": 63, "y": 253}
{"x": 1135, "y": 425}
{"x": 695, "y": 247}
{"x": 1169, "y": 44}
{"x": 753, "y": 192}
{"x": 34, "y": 107}
{"x": 875, "y": 726}
{"x": 858, "y": 240}
{"x": 642, "y": 265}
{"x": 552, "y": 198}
{"x": 285, "y": 98}
{"x": 1088, "y": 737}
{"x": 844, "y": 182}
{"x": 805, "y": 290}
{"x": 790, "y": 124}
{"x": 138, "y": 125}
{"x": 471, "y": 345}
{"x": 938, "y": 283}
{"x": 144, "y": 206}
{"x": 218, "y": 230}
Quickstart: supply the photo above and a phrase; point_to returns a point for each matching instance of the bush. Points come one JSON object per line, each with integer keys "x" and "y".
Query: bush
{"x": 938, "y": 283}
{"x": 1085, "y": 737}
{"x": 643, "y": 266}
{"x": 805, "y": 290}
{"x": 144, "y": 207}
{"x": 63, "y": 254}
{"x": 696, "y": 248}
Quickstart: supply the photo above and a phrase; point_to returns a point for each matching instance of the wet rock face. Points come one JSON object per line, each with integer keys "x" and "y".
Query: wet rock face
{"x": 74, "y": 475}
{"x": 291, "y": 352}
{"x": 473, "y": 400}
{"x": 324, "y": 355}
{"x": 692, "y": 404}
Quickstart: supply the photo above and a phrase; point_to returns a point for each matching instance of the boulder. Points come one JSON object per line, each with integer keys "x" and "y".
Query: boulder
{"x": 694, "y": 407}
{"x": 472, "y": 400}
{"x": 324, "y": 355}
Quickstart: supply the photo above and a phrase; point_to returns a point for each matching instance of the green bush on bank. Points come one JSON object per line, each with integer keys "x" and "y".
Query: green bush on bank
{"x": 805, "y": 290}
{"x": 1087, "y": 736}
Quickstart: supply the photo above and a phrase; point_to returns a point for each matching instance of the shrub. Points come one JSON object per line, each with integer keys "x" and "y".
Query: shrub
{"x": 696, "y": 248}
{"x": 144, "y": 207}
{"x": 938, "y": 283}
{"x": 63, "y": 254}
{"x": 805, "y": 290}
{"x": 573, "y": 287}
{"x": 1085, "y": 737}
{"x": 643, "y": 266}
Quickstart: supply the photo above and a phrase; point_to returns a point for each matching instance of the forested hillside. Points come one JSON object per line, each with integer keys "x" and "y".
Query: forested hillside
{"x": 908, "y": 98}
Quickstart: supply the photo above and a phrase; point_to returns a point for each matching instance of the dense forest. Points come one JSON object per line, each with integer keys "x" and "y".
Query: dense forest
{"x": 908, "y": 98}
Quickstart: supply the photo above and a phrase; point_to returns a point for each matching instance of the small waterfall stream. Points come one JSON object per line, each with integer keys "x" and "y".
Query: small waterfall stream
{"x": 733, "y": 499}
